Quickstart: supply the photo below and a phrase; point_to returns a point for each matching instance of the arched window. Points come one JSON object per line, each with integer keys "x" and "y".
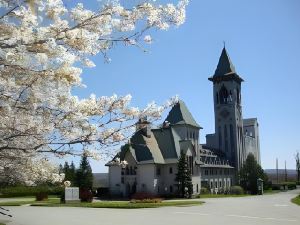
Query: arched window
{"x": 231, "y": 138}
{"x": 131, "y": 171}
{"x": 226, "y": 138}
{"x": 220, "y": 138}
{"x": 223, "y": 95}
{"x": 238, "y": 97}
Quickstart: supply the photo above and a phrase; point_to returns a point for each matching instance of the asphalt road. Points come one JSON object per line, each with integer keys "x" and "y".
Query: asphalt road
{"x": 267, "y": 209}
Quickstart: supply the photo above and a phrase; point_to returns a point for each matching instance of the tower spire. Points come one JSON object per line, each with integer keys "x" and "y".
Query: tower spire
{"x": 225, "y": 68}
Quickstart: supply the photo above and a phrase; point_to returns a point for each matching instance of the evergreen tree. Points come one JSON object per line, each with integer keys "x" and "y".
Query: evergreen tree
{"x": 72, "y": 173}
{"x": 84, "y": 175}
{"x": 61, "y": 169}
{"x": 184, "y": 177}
{"x": 249, "y": 173}
{"x": 66, "y": 171}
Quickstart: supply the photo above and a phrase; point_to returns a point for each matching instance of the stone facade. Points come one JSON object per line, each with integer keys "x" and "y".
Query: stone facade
{"x": 152, "y": 153}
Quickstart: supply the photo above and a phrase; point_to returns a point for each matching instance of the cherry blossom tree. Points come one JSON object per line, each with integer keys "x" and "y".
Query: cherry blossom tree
{"x": 43, "y": 46}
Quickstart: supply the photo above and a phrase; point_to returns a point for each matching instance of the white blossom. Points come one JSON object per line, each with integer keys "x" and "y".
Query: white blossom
{"x": 42, "y": 45}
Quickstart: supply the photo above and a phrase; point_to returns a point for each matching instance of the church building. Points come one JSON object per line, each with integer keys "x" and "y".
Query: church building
{"x": 152, "y": 153}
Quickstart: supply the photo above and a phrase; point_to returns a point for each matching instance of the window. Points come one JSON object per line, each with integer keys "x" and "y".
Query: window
{"x": 158, "y": 189}
{"x": 238, "y": 97}
{"x": 158, "y": 171}
{"x": 134, "y": 171}
{"x": 211, "y": 184}
{"x": 216, "y": 184}
{"x": 170, "y": 170}
{"x": 131, "y": 171}
{"x": 226, "y": 139}
{"x": 220, "y": 184}
{"x": 206, "y": 172}
{"x": 217, "y": 98}
{"x": 223, "y": 95}
{"x": 220, "y": 137}
{"x": 127, "y": 170}
{"x": 122, "y": 171}
{"x": 231, "y": 138}
{"x": 197, "y": 188}
{"x": 221, "y": 171}
{"x": 171, "y": 188}
{"x": 122, "y": 180}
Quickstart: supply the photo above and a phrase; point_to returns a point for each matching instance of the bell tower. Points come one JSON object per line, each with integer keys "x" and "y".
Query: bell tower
{"x": 228, "y": 138}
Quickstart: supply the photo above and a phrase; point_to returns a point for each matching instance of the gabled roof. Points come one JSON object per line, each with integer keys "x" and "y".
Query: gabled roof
{"x": 225, "y": 69}
{"x": 146, "y": 148}
{"x": 180, "y": 114}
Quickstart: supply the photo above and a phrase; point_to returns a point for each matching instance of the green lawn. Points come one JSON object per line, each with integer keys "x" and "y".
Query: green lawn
{"x": 25, "y": 202}
{"x": 296, "y": 200}
{"x": 121, "y": 205}
{"x": 55, "y": 202}
{"x": 221, "y": 196}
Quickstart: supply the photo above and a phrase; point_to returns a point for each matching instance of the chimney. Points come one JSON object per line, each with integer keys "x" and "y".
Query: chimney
{"x": 145, "y": 126}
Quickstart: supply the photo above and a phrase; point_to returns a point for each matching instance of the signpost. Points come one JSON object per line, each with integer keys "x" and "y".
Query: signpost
{"x": 72, "y": 194}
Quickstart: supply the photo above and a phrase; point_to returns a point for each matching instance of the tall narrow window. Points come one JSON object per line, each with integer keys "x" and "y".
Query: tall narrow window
{"x": 220, "y": 138}
{"x": 232, "y": 138}
{"x": 223, "y": 95}
{"x": 238, "y": 97}
{"x": 226, "y": 138}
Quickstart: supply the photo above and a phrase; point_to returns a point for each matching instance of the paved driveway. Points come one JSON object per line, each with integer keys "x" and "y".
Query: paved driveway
{"x": 267, "y": 209}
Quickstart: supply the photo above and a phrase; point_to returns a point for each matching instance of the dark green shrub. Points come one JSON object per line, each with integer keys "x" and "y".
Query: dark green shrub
{"x": 142, "y": 195}
{"x": 236, "y": 190}
{"x": 276, "y": 187}
{"x": 41, "y": 196}
{"x": 290, "y": 185}
{"x": 20, "y": 191}
{"x": 204, "y": 191}
{"x": 86, "y": 195}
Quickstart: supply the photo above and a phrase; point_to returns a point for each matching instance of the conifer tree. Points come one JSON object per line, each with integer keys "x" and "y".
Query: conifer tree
{"x": 84, "y": 175}
{"x": 184, "y": 177}
{"x": 249, "y": 173}
{"x": 72, "y": 173}
{"x": 66, "y": 171}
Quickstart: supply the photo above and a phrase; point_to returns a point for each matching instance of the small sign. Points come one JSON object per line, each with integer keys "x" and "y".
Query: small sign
{"x": 71, "y": 194}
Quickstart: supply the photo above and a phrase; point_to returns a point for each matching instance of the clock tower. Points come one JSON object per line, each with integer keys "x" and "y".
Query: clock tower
{"x": 228, "y": 137}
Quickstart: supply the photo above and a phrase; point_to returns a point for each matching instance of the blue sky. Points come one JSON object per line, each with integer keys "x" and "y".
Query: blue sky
{"x": 263, "y": 41}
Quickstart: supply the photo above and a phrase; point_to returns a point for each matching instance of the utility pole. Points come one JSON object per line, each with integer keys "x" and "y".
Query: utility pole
{"x": 285, "y": 171}
{"x": 277, "y": 171}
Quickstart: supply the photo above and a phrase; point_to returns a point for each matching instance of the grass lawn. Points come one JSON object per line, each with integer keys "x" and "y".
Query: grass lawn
{"x": 296, "y": 200}
{"x": 29, "y": 202}
{"x": 55, "y": 202}
{"x": 120, "y": 205}
{"x": 221, "y": 196}
{"x": 268, "y": 192}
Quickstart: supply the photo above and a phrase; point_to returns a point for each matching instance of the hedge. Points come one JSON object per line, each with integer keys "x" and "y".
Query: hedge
{"x": 21, "y": 191}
